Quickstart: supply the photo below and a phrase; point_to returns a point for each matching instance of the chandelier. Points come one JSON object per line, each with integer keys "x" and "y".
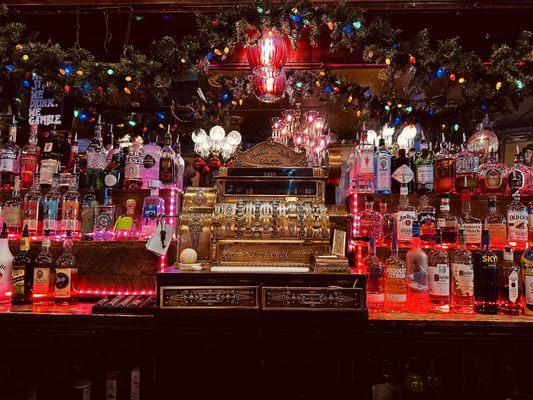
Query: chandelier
{"x": 268, "y": 56}
{"x": 302, "y": 132}
{"x": 271, "y": 89}
{"x": 217, "y": 143}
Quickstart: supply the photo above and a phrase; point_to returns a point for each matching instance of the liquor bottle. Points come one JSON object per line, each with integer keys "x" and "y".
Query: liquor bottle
{"x": 486, "y": 278}
{"x": 73, "y": 152}
{"x": 439, "y": 277}
{"x": 66, "y": 275}
{"x": 22, "y": 272}
{"x": 509, "y": 285}
{"x": 369, "y": 221}
{"x": 366, "y": 170}
{"x": 69, "y": 172}
{"x": 530, "y": 221}
{"x": 104, "y": 218}
{"x": 427, "y": 220}
{"x": 50, "y": 158}
{"x": 395, "y": 281}
{"x": 113, "y": 172}
{"x": 444, "y": 169}
{"x": 6, "y": 265}
{"x": 517, "y": 229}
{"x": 447, "y": 223}
{"x": 96, "y": 158}
{"x": 32, "y": 206}
{"x": 132, "y": 172}
{"x": 29, "y": 158}
{"x": 382, "y": 169}
{"x": 375, "y": 282}
{"x": 387, "y": 224}
{"x": 462, "y": 270}
{"x": 150, "y": 164}
{"x": 13, "y": 210}
{"x": 51, "y": 204}
{"x": 88, "y": 203}
{"x": 180, "y": 166}
{"x": 405, "y": 218}
{"x": 70, "y": 212}
{"x": 110, "y": 146}
{"x": 354, "y": 165}
{"x": 423, "y": 165}
{"x": 153, "y": 206}
{"x": 417, "y": 275}
{"x": 466, "y": 168}
{"x": 168, "y": 165}
{"x": 492, "y": 175}
{"x": 470, "y": 224}
{"x": 527, "y": 274}
{"x": 10, "y": 158}
{"x": 128, "y": 224}
{"x": 402, "y": 173}
{"x": 496, "y": 224}
{"x": 44, "y": 272}
{"x": 518, "y": 176}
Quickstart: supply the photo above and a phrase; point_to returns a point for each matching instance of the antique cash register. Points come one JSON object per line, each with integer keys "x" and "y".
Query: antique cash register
{"x": 264, "y": 238}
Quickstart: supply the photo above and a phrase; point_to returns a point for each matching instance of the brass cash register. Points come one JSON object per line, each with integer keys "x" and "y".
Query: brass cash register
{"x": 264, "y": 237}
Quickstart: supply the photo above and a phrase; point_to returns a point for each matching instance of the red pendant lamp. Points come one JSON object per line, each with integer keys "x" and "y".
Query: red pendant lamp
{"x": 270, "y": 89}
{"x": 268, "y": 56}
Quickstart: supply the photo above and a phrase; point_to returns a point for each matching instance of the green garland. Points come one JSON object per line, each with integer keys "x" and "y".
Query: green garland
{"x": 469, "y": 87}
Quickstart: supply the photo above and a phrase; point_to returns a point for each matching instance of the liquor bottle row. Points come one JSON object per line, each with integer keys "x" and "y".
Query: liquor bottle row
{"x": 514, "y": 227}
{"x": 442, "y": 280}
{"x": 378, "y": 171}
{"x": 29, "y": 280}
{"x": 58, "y": 212}
{"x": 107, "y": 165}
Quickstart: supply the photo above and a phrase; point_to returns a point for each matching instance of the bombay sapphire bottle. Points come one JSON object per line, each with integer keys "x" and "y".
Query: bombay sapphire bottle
{"x": 382, "y": 169}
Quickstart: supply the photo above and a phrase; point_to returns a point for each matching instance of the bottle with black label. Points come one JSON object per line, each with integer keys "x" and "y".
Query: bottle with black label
{"x": 66, "y": 274}
{"x": 43, "y": 272}
{"x": 50, "y": 158}
{"x": 22, "y": 272}
{"x": 402, "y": 173}
{"x": 486, "y": 278}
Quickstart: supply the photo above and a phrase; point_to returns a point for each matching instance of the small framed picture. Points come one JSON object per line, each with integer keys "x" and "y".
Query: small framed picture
{"x": 339, "y": 243}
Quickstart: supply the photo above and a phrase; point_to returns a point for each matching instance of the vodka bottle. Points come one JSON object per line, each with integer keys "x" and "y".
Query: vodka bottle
{"x": 395, "y": 281}
{"x": 509, "y": 285}
{"x": 150, "y": 163}
{"x": 417, "y": 275}
{"x": 439, "y": 277}
{"x": 462, "y": 281}
{"x": 375, "y": 296}
{"x": 369, "y": 221}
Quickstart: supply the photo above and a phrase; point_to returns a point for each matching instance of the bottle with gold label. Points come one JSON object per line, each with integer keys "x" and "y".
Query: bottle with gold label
{"x": 527, "y": 274}
{"x": 66, "y": 274}
{"x": 44, "y": 272}
{"x": 22, "y": 272}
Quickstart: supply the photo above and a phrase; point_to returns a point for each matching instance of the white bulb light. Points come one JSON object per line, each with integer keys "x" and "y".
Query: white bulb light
{"x": 217, "y": 133}
{"x": 199, "y": 136}
{"x": 234, "y": 138}
{"x": 371, "y": 136}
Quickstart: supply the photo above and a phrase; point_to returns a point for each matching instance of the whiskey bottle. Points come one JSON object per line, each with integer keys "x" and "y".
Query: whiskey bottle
{"x": 13, "y": 210}
{"x": 428, "y": 221}
{"x": 51, "y": 204}
{"x": 387, "y": 224}
{"x": 527, "y": 274}
{"x": 32, "y": 206}
{"x": 496, "y": 224}
{"x": 444, "y": 169}
{"x": 44, "y": 272}
{"x": 423, "y": 165}
{"x": 417, "y": 275}
{"x": 492, "y": 175}
{"x": 50, "y": 158}
{"x": 518, "y": 176}
{"x": 509, "y": 285}
{"x": 168, "y": 168}
{"x": 486, "y": 278}
{"x": 22, "y": 272}
{"x": 66, "y": 275}
{"x": 70, "y": 212}
{"x": 10, "y": 158}
{"x": 369, "y": 221}
{"x": 132, "y": 172}
{"x": 395, "y": 281}
{"x": 466, "y": 169}
{"x": 439, "y": 277}
{"x": 402, "y": 174}
{"x": 382, "y": 169}
{"x": 517, "y": 223}
{"x": 405, "y": 218}
{"x": 6, "y": 265}
{"x": 462, "y": 282}
{"x": 470, "y": 224}
{"x": 375, "y": 296}
{"x": 29, "y": 158}
{"x": 447, "y": 223}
